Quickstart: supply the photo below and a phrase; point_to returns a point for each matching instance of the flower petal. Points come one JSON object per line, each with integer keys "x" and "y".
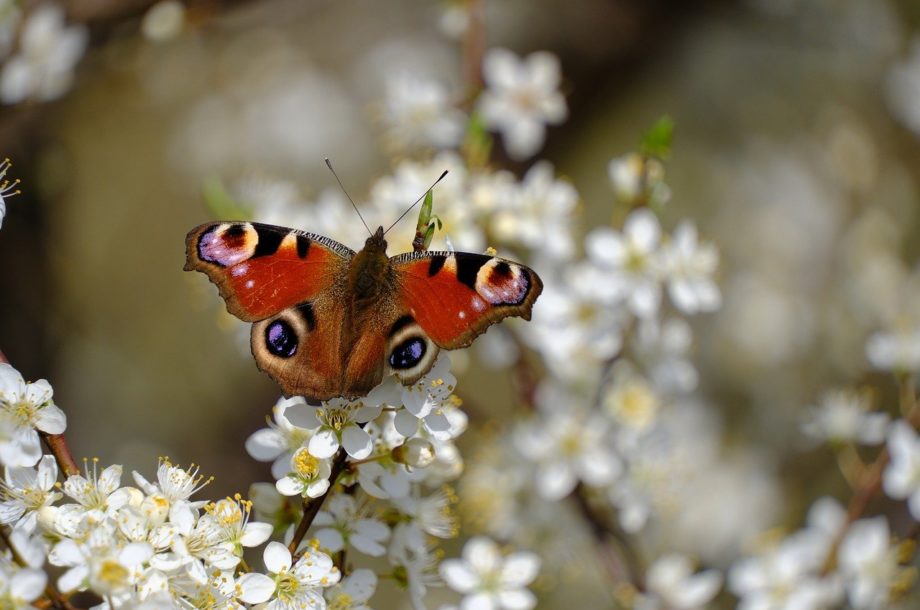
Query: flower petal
{"x": 324, "y": 443}
{"x": 277, "y": 557}
{"x": 255, "y": 588}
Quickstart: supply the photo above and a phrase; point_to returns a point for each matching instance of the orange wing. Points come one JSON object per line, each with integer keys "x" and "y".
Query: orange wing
{"x": 456, "y": 296}
{"x": 262, "y": 269}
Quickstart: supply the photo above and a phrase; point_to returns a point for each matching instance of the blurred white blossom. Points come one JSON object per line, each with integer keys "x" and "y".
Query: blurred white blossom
{"x": 48, "y": 52}
{"x": 845, "y": 416}
{"x": 521, "y": 98}
{"x": 419, "y": 112}
{"x": 489, "y": 580}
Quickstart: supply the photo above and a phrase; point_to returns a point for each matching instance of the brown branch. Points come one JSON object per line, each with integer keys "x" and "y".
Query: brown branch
{"x": 871, "y": 479}
{"x": 312, "y": 506}
{"x": 57, "y": 444}
{"x": 474, "y": 47}
{"x": 621, "y": 563}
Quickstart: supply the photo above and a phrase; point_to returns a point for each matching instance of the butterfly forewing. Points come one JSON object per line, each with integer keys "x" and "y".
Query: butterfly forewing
{"x": 456, "y": 296}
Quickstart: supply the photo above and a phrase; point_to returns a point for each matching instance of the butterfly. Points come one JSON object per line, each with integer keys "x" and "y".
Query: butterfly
{"x": 329, "y": 322}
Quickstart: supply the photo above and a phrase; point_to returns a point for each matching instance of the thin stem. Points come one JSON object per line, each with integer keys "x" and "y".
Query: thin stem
{"x": 474, "y": 47}
{"x": 871, "y": 481}
{"x": 621, "y": 563}
{"x": 58, "y": 446}
{"x": 311, "y": 507}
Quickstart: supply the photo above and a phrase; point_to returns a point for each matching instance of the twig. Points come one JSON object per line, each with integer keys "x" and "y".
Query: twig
{"x": 57, "y": 444}
{"x": 621, "y": 563}
{"x": 871, "y": 480}
{"x": 311, "y": 507}
{"x": 474, "y": 46}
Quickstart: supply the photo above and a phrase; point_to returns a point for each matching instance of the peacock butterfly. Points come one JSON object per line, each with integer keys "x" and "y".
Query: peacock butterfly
{"x": 328, "y": 321}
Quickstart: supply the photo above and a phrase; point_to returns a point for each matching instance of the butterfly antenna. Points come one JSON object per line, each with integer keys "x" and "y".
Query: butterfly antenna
{"x": 441, "y": 177}
{"x": 329, "y": 165}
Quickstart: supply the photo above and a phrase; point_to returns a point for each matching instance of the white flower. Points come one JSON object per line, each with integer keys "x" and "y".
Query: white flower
{"x": 567, "y": 448}
{"x": 48, "y": 53}
{"x": 337, "y": 423}
{"x": 281, "y": 439}
{"x": 25, "y": 407}
{"x": 163, "y": 21}
{"x": 901, "y": 479}
{"x": 353, "y": 592}
{"x": 521, "y": 98}
{"x": 26, "y": 491}
{"x": 784, "y": 579}
{"x": 671, "y": 584}
{"x": 291, "y": 585}
{"x": 21, "y": 586}
{"x": 99, "y": 563}
{"x": 869, "y": 564}
{"x": 490, "y": 581}
{"x": 309, "y": 476}
{"x": 538, "y": 214}
{"x": 632, "y": 402}
{"x": 416, "y": 565}
{"x": 638, "y": 179}
{"x": 418, "y": 112}
{"x": 662, "y": 347}
{"x": 896, "y": 350}
{"x": 348, "y": 526}
{"x": 97, "y": 496}
{"x": 197, "y": 543}
{"x": 628, "y": 263}
{"x": 384, "y": 479}
{"x": 433, "y": 513}
{"x": 572, "y": 332}
{"x": 174, "y": 483}
{"x": 7, "y": 187}
{"x": 232, "y": 517}
{"x": 689, "y": 266}
{"x": 845, "y": 416}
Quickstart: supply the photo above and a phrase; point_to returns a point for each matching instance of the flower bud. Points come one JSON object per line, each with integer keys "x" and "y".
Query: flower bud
{"x": 415, "y": 452}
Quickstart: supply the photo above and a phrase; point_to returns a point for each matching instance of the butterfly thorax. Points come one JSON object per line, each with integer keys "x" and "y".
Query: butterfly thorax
{"x": 368, "y": 274}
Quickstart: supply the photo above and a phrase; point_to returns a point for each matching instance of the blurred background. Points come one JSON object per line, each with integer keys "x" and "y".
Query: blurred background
{"x": 796, "y": 152}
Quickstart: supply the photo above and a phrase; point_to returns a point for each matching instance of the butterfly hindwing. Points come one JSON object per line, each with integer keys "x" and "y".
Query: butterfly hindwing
{"x": 262, "y": 269}
{"x": 455, "y": 296}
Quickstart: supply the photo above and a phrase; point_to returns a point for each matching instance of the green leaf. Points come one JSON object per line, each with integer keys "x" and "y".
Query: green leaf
{"x": 424, "y": 214}
{"x": 221, "y": 203}
{"x": 429, "y": 234}
{"x": 657, "y": 140}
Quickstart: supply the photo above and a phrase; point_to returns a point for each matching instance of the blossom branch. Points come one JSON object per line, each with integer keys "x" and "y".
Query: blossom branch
{"x": 56, "y": 443}
{"x": 59, "y": 448}
{"x": 311, "y": 507}
{"x": 474, "y": 46}
{"x": 621, "y": 563}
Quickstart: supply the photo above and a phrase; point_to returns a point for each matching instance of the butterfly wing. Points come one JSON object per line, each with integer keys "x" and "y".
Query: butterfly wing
{"x": 290, "y": 284}
{"x": 455, "y": 296}
{"x": 262, "y": 269}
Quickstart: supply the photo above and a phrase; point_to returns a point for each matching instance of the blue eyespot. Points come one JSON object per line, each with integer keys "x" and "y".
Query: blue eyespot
{"x": 407, "y": 354}
{"x": 281, "y": 339}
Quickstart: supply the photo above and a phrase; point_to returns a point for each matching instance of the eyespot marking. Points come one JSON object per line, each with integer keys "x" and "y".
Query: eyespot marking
{"x": 227, "y": 244}
{"x": 407, "y": 354}
{"x": 501, "y": 283}
{"x": 400, "y": 324}
{"x": 280, "y": 339}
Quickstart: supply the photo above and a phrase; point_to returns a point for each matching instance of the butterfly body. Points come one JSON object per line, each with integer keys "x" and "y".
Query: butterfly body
{"x": 328, "y": 321}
